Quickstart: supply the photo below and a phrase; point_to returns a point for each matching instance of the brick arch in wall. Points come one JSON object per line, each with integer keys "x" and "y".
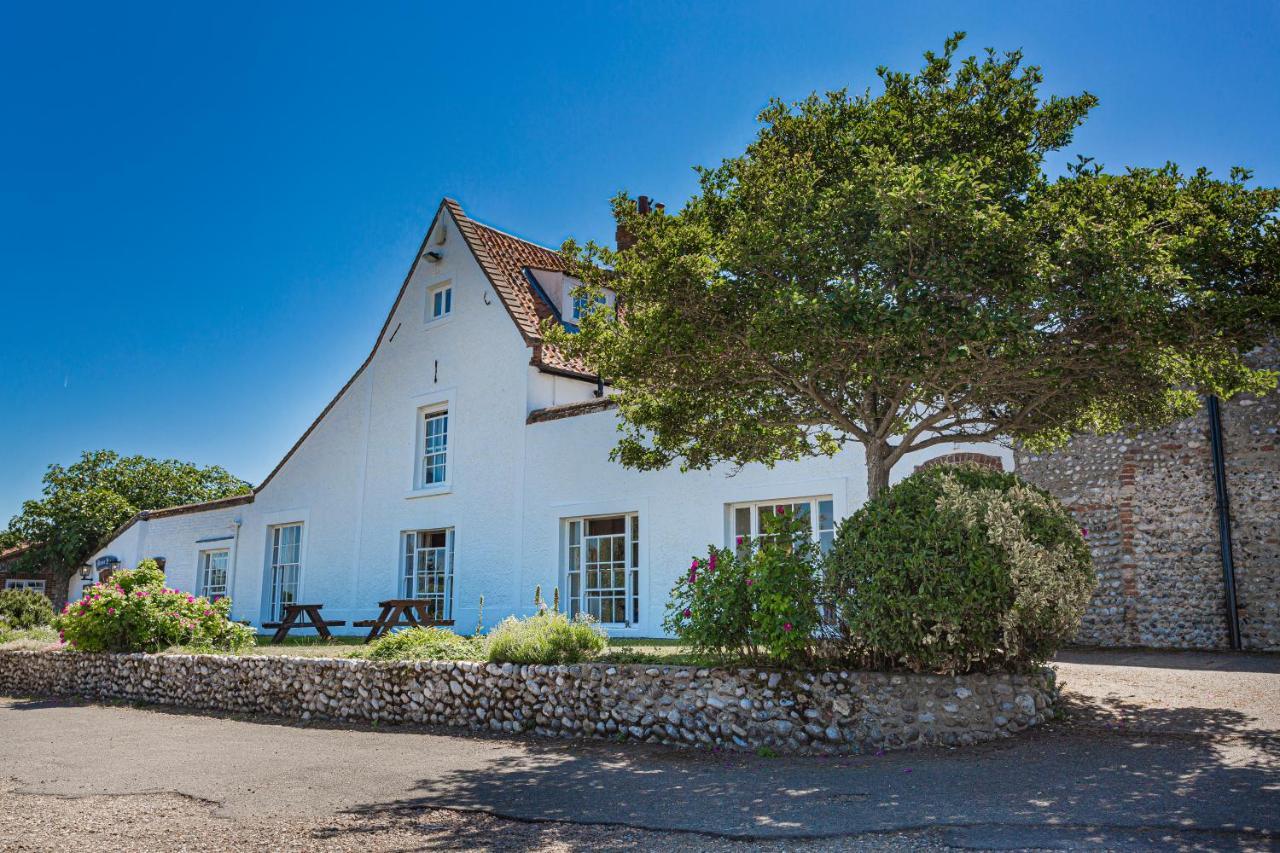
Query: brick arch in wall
{"x": 984, "y": 459}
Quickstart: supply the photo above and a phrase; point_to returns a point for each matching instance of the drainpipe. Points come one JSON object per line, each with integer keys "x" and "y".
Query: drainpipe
{"x": 1224, "y": 522}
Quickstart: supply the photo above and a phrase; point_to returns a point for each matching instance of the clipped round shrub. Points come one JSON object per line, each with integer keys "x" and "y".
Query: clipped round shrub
{"x": 21, "y": 609}
{"x": 136, "y": 612}
{"x": 547, "y": 637}
{"x": 424, "y": 644}
{"x": 959, "y": 568}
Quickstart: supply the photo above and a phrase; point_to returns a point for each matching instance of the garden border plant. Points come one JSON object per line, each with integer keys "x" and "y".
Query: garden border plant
{"x": 136, "y": 612}
{"x": 958, "y": 568}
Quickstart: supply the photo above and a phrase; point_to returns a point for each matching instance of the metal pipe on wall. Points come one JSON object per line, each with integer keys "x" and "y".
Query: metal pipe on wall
{"x": 1224, "y": 521}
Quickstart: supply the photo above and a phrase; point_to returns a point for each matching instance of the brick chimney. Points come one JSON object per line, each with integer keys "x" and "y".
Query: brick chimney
{"x": 644, "y": 205}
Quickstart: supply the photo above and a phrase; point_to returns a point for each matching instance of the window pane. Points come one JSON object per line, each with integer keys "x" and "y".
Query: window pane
{"x": 606, "y": 526}
{"x": 826, "y": 515}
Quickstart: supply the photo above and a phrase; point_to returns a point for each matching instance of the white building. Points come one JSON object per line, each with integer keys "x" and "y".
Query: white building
{"x": 465, "y": 458}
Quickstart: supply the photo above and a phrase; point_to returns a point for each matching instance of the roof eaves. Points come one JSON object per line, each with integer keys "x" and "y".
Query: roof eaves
{"x": 570, "y": 410}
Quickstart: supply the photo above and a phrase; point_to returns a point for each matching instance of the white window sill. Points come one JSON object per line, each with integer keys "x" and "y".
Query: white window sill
{"x": 430, "y": 491}
{"x": 437, "y": 322}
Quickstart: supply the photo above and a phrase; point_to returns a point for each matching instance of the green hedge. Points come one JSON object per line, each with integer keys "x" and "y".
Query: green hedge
{"x": 959, "y": 569}
{"x": 22, "y": 609}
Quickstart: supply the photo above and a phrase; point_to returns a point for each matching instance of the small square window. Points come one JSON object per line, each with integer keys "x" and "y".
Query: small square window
{"x": 439, "y": 302}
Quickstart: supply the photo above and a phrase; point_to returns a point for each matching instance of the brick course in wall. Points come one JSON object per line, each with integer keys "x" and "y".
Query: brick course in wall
{"x": 1149, "y": 505}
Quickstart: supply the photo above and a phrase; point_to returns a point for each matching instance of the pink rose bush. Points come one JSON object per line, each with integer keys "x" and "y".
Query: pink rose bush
{"x": 758, "y": 602}
{"x": 135, "y": 612}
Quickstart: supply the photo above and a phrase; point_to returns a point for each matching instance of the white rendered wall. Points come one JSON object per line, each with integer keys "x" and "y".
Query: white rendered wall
{"x": 351, "y": 482}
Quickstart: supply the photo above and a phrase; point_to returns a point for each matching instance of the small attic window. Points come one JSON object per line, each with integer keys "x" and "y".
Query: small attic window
{"x": 578, "y": 305}
{"x": 439, "y": 301}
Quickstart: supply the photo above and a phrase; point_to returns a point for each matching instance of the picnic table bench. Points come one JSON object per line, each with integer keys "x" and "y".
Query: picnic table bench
{"x": 293, "y": 613}
{"x": 397, "y": 612}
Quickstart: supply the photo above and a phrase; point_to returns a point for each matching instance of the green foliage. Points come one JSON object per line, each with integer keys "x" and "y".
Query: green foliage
{"x": 957, "y": 569}
{"x": 426, "y": 644}
{"x": 760, "y": 600}
{"x": 546, "y": 637}
{"x": 899, "y": 271}
{"x": 38, "y": 638}
{"x": 25, "y": 608}
{"x": 136, "y": 612}
{"x": 84, "y": 502}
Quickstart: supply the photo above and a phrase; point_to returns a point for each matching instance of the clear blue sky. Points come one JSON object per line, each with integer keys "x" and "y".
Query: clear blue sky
{"x": 205, "y": 211}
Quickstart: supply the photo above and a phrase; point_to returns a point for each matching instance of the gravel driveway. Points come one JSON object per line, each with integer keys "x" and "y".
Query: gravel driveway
{"x": 1156, "y": 751}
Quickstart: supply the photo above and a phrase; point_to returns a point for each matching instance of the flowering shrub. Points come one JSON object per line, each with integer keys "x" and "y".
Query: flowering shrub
{"x": 25, "y": 608}
{"x": 546, "y": 637}
{"x": 959, "y": 569}
{"x": 136, "y": 612}
{"x": 758, "y": 600}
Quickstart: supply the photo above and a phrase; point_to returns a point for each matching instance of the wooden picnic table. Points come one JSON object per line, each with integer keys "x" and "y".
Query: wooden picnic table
{"x": 293, "y": 613}
{"x": 397, "y": 612}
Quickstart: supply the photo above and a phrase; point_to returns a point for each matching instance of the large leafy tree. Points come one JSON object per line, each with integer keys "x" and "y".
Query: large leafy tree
{"x": 83, "y": 502}
{"x": 900, "y": 270}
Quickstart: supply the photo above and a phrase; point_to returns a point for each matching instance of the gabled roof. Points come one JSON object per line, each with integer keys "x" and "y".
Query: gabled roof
{"x": 9, "y": 553}
{"x": 503, "y": 258}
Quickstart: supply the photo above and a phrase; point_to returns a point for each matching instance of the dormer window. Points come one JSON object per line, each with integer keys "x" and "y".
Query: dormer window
{"x": 580, "y": 304}
{"x": 439, "y": 301}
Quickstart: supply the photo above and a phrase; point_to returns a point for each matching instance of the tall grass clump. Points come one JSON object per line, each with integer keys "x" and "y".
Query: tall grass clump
{"x": 547, "y": 637}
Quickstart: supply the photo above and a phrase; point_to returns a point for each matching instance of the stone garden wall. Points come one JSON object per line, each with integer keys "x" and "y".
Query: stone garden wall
{"x": 789, "y": 712}
{"x": 1149, "y": 505}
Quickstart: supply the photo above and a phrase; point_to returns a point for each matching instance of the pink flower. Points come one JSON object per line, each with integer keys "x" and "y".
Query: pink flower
{"x": 693, "y": 576}
{"x": 739, "y": 540}
{"x": 750, "y": 581}
{"x": 111, "y": 611}
{"x": 786, "y": 627}
{"x": 208, "y": 613}
{"x": 688, "y": 612}
{"x": 190, "y": 598}
{"x": 1084, "y": 531}
{"x": 711, "y": 566}
{"x": 694, "y": 565}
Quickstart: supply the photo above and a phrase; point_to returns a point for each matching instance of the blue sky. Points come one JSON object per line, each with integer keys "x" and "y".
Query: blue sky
{"x": 206, "y": 211}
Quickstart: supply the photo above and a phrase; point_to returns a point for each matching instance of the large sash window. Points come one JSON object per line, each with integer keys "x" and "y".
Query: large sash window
{"x": 286, "y": 567}
{"x": 602, "y": 568}
{"x": 428, "y": 570}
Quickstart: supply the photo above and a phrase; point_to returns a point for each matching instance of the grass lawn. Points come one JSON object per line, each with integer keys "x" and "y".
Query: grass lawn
{"x": 641, "y": 650}
{"x": 30, "y": 638}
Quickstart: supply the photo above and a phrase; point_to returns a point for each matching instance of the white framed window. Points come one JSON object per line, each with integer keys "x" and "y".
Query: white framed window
{"x": 439, "y": 301}
{"x": 746, "y": 519}
{"x": 433, "y": 448}
{"x": 213, "y": 573}
{"x": 285, "y": 562}
{"x": 24, "y": 583}
{"x": 428, "y": 569}
{"x": 602, "y": 567}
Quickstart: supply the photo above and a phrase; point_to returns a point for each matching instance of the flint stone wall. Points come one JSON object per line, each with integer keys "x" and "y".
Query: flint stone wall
{"x": 1149, "y": 504}
{"x": 789, "y": 712}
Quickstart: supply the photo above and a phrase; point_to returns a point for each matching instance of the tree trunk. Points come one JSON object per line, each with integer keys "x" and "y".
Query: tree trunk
{"x": 877, "y": 468}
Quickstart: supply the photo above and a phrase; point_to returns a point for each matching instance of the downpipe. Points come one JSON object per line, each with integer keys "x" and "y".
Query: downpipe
{"x": 1224, "y": 521}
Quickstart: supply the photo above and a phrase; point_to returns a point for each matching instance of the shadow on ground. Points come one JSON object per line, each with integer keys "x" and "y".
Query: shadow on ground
{"x": 1108, "y": 774}
{"x": 1260, "y": 662}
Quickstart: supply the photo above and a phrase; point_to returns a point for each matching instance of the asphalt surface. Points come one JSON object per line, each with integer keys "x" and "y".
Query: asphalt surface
{"x": 1156, "y": 750}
